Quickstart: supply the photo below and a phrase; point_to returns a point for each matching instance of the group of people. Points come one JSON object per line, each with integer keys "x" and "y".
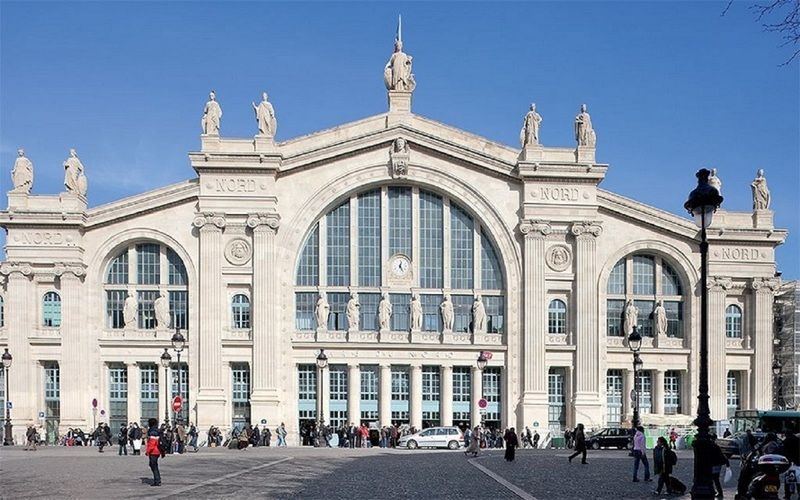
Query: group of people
{"x": 250, "y": 435}
{"x": 481, "y": 437}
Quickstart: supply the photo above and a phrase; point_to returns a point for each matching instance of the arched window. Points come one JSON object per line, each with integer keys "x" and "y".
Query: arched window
{"x": 145, "y": 271}
{"x": 557, "y": 317}
{"x": 51, "y": 309}
{"x": 240, "y": 311}
{"x": 733, "y": 322}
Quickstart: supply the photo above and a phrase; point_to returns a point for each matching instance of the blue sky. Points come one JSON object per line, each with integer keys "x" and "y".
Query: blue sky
{"x": 672, "y": 87}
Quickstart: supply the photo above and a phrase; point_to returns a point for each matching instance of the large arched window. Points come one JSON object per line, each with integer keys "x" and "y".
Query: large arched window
{"x": 445, "y": 247}
{"x": 557, "y": 317}
{"x": 51, "y": 309}
{"x": 645, "y": 279}
{"x": 146, "y": 271}
{"x": 733, "y": 322}
{"x": 240, "y": 311}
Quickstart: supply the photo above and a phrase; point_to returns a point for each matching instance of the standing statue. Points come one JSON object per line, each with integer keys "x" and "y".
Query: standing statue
{"x": 448, "y": 318}
{"x": 212, "y": 115}
{"x": 384, "y": 312}
{"x": 631, "y": 317}
{"x": 322, "y": 311}
{"x": 761, "y": 196}
{"x": 584, "y": 133}
{"x": 529, "y": 135}
{"x": 161, "y": 305}
{"x": 22, "y": 175}
{"x": 265, "y": 117}
{"x": 353, "y": 312}
{"x": 416, "y": 313}
{"x": 715, "y": 181}
{"x": 478, "y": 316}
{"x": 660, "y": 315}
{"x": 74, "y": 178}
{"x": 130, "y": 310}
{"x": 397, "y": 74}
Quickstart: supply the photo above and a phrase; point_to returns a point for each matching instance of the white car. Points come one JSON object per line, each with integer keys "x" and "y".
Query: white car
{"x": 434, "y": 437}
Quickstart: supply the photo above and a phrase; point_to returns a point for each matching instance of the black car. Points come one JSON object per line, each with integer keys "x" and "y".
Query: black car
{"x": 610, "y": 437}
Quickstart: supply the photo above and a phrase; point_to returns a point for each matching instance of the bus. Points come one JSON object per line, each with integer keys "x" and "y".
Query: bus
{"x": 760, "y": 422}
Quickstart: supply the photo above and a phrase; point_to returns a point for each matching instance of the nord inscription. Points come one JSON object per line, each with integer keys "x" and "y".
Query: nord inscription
{"x": 559, "y": 194}
{"x": 235, "y": 185}
{"x": 740, "y": 254}
{"x": 40, "y": 238}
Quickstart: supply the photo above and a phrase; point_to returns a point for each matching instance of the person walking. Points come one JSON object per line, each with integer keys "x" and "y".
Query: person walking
{"x": 673, "y": 438}
{"x": 135, "y": 434}
{"x": 30, "y": 437}
{"x": 180, "y": 432}
{"x": 153, "y": 449}
{"x": 281, "y": 432}
{"x": 122, "y": 440}
{"x": 640, "y": 455}
{"x": 535, "y": 439}
{"x": 193, "y": 437}
{"x": 101, "y": 437}
{"x": 718, "y": 459}
{"x": 663, "y": 461}
{"x": 512, "y": 442}
{"x": 474, "y": 444}
{"x": 579, "y": 438}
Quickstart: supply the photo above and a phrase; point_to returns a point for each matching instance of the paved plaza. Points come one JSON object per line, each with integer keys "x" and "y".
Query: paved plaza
{"x": 310, "y": 473}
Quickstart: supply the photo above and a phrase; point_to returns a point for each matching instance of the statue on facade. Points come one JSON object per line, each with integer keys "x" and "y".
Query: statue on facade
{"x": 212, "y": 115}
{"x": 448, "y": 318}
{"x": 761, "y": 196}
{"x": 478, "y": 316}
{"x": 384, "y": 312}
{"x": 353, "y": 312}
{"x": 130, "y": 310}
{"x": 74, "y": 178}
{"x": 265, "y": 117}
{"x": 161, "y": 306}
{"x": 399, "y": 157}
{"x": 322, "y": 310}
{"x": 631, "y": 317}
{"x": 416, "y": 313}
{"x": 529, "y": 135}
{"x": 22, "y": 175}
{"x": 584, "y": 132}
{"x": 397, "y": 74}
{"x": 660, "y": 315}
{"x": 714, "y": 181}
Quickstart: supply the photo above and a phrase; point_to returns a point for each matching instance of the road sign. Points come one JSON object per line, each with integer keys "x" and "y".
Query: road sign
{"x": 41, "y": 415}
{"x": 633, "y": 394}
{"x": 9, "y": 405}
{"x": 487, "y": 355}
{"x": 177, "y": 404}
{"x": 102, "y": 412}
{"x": 482, "y": 404}
{"x": 536, "y": 424}
{"x": 263, "y": 421}
{"x": 94, "y": 403}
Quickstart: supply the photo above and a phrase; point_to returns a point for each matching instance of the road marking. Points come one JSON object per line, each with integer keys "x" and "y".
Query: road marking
{"x": 514, "y": 489}
{"x": 219, "y": 479}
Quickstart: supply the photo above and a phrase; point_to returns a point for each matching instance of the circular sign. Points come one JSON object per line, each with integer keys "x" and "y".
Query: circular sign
{"x": 482, "y": 403}
{"x": 94, "y": 403}
{"x": 263, "y": 421}
{"x": 536, "y": 424}
{"x": 177, "y": 404}
{"x": 488, "y": 355}
{"x": 102, "y": 412}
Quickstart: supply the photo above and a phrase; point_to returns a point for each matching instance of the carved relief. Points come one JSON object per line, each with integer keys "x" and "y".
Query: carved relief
{"x": 586, "y": 228}
{"x": 768, "y": 285}
{"x": 535, "y": 228}
{"x": 209, "y": 220}
{"x": 270, "y": 220}
{"x": 8, "y": 268}
{"x": 719, "y": 283}
{"x": 559, "y": 257}
{"x": 399, "y": 156}
{"x": 238, "y": 251}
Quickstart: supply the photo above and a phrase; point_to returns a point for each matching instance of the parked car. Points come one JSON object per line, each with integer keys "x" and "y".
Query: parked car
{"x": 434, "y": 437}
{"x": 611, "y": 437}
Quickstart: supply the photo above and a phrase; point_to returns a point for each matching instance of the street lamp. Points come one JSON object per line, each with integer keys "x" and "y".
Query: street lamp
{"x": 703, "y": 201}
{"x": 178, "y": 343}
{"x": 482, "y": 361}
{"x": 322, "y": 363}
{"x": 776, "y": 370}
{"x": 635, "y": 343}
{"x": 165, "y": 360}
{"x": 8, "y": 437}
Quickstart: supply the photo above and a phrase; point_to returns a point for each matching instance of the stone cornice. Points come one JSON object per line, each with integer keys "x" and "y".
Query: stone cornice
{"x": 586, "y": 229}
{"x": 535, "y": 228}
{"x": 765, "y": 285}
{"x": 143, "y": 203}
{"x": 209, "y": 221}
{"x": 262, "y": 221}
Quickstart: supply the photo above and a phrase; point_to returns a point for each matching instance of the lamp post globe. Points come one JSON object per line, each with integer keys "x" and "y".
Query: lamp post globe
{"x": 322, "y": 359}
{"x": 7, "y": 359}
{"x": 165, "y": 360}
{"x": 482, "y": 361}
{"x": 178, "y": 341}
{"x": 635, "y": 340}
{"x": 8, "y": 435}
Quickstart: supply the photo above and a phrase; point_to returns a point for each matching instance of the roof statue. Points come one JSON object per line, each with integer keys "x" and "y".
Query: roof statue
{"x": 761, "y": 196}
{"x": 265, "y": 117}
{"x": 397, "y": 74}
{"x": 584, "y": 132}
{"x": 212, "y": 115}
{"x": 22, "y": 175}
{"x": 74, "y": 178}
{"x": 529, "y": 135}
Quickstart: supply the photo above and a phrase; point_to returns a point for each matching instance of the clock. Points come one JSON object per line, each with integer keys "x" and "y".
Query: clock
{"x": 400, "y": 266}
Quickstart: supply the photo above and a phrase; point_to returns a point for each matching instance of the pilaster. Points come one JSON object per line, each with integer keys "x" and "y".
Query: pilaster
{"x": 718, "y": 287}
{"x": 19, "y": 319}
{"x": 385, "y": 395}
{"x": 354, "y": 393}
{"x": 477, "y": 394}
{"x": 73, "y": 363}
{"x": 764, "y": 291}
{"x": 134, "y": 392}
{"x": 627, "y": 402}
{"x": 446, "y": 396}
{"x": 658, "y": 392}
{"x": 415, "y": 397}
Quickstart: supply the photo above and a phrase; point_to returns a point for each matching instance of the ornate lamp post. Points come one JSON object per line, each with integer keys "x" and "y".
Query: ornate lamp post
{"x": 8, "y": 437}
{"x": 776, "y": 370}
{"x": 703, "y": 201}
{"x": 178, "y": 343}
{"x": 322, "y": 363}
{"x": 165, "y": 360}
{"x": 635, "y": 344}
{"x": 482, "y": 361}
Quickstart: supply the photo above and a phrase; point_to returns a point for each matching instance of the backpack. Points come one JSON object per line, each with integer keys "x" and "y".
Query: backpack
{"x": 163, "y": 443}
{"x": 672, "y": 458}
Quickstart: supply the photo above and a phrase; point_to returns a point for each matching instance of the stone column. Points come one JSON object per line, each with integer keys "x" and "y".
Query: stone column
{"x": 385, "y": 395}
{"x": 415, "y": 398}
{"x": 534, "y": 396}
{"x": 73, "y": 362}
{"x": 627, "y": 403}
{"x": 477, "y": 394}
{"x": 446, "y": 396}
{"x": 747, "y": 389}
{"x": 354, "y": 394}
{"x": 134, "y": 392}
{"x": 265, "y": 397}
{"x": 325, "y": 380}
{"x": 717, "y": 371}
{"x": 20, "y": 318}
{"x": 211, "y": 395}
{"x": 764, "y": 294}
{"x": 658, "y": 392}
{"x": 587, "y": 339}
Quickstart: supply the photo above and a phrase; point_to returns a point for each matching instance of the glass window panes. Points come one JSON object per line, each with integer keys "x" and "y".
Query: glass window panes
{"x": 461, "y": 249}
{"x": 115, "y": 302}
{"x": 337, "y": 319}
{"x": 118, "y": 396}
{"x": 304, "y": 310}
{"x": 495, "y": 313}
{"x": 178, "y": 308}
{"x": 644, "y": 275}
{"x": 491, "y": 384}
{"x": 491, "y": 272}
{"x": 369, "y": 238}
{"x": 148, "y": 264}
{"x": 616, "y": 280}
{"x": 431, "y": 383}
{"x": 461, "y": 383}
{"x": 51, "y": 309}
{"x": 147, "y": 312}
{"x": 369, "y": 311}
{"x": 556, "y": 414}
{"x": 733, "y": 321}
{"x": 176, "y": 271}
{"x": 52, "y": 381}
{"x": 118, "y": 270}
{"x": 645, "y": 318}
{"x": 557, "y": 317}
{"x": 308, "y": 266}
{"x": 240, "y": 311}
{"x": 307, "y": 382}
{"x": 338, "y": 380}
{"x": 339, "y": 245}
{"x": 369, "y": 383}
{"x": 431, "y": 240}
{"x": 149, "y": 392}
{"x": 672, "y": 392}
{"x": 180, "y": 385}
{"x": 615, "y": 310}
{"x": 431, "y": 316}
{"x": 240, "y": 373}
{"x": 733, "y": 396}
{"x": 644, "y": 389}
{"x": 674, "y": 312}
{"x": 400, "y": 220}
{"x": 462, "y": 312}
{"x": 614, "y": 397}
{"x": 400, "y": 381}
{"x": 670, "y": 283}
{"x": 401, "y": 303}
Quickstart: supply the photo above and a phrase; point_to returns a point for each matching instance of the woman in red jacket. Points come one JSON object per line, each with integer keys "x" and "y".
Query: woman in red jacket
{"x": 152, "y": 450}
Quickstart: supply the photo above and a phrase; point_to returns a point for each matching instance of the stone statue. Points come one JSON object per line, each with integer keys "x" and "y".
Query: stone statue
{"x": 660, "y": 315}
{"x": 715, "y": 181}
{"x": 631, "y": 317}
{"x": 529, "y": 135}
{"x": 353, "y": 311}
{"x": 448, "y": 318}
{"x": 584, "y": 133}
{"x": 265, "y": 117}
{"x": 161, "y": 306}
{"x": 212, "y": 115}
{"x": 130, "y": 310}
{"x": 322, "y": 311}
{"x": 397, "y": 74}
{"x": 416, "y": 313}
{"x": 761, "y": 196}
{"x": 384, "y": 312}
{"x": 74, "y": 178}
{"x": 22, "y": 175}
{"x": 478, "y": 316}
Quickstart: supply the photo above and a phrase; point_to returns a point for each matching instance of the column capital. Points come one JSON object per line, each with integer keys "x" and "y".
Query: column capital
{"x": 264, "y": 221}
{"x": 586, "y": 229}
{"x": 535, "y": 228}
{"x": 69, "y": 270}
{"x": 719, "y": 283}
{"x": 20, "y": 269}
{"x": 209, "y": 221}
{"x": 765, "y": 285}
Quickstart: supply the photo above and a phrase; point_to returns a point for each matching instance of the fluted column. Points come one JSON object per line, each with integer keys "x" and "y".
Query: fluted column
{"x": 477, "y": 394}
{"x": 717, "y": 371}
{"x": 764, "y": 290}
{"x": 587, "y": 341}
{"x": 627, "y": 402}
{"x": 354, "y": 394}
{"x": 446, "y": 396}
{"x": 385, "y": 395}
{"x": 134, "y": 392}
{"x": 658, "y": 392}
{"x": 20, "y": 318}
{"x": 415, "y": 398}
{"x": 72, "y": 364}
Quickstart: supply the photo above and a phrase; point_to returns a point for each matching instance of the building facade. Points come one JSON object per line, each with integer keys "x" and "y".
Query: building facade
{"x": 404, "y": 248}
{"x": 787, "y": 345}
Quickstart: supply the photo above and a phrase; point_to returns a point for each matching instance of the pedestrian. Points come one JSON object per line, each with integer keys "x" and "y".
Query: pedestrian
{"x": 193, "y": 437}
{"x": 100, "y": 438}
{"x": 267, "y": 436}
{"x": 640, "y": 455}
{"x": 181, "y": 435}
{"x": 474, "y": 444}
{"x": 154, "y": 449}
{"x": 673, "y": 437}
{"x": 136, "y": 438}
{"x": 527, "y": 438}
{"x": 281, "y": 432}
{"x": 511, "y": 444}
{"x": 535, "y": 439}
{"x": 30, "y": 437}
{"x": 580, "y": 444}
{"x": 718, "y": 459}
{"x": 791, "y": 445}
{"x": 567, "y": 439}
{"x": 664, "y": 459}
{"x": 727, "y": 432}
{"x": 122, "y": 439}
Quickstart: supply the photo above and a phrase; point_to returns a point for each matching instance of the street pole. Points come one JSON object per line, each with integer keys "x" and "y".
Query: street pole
{"x": 319, "y": 394}
{"x": 180, "y": 379}
{"x": 8, "y": 436}
{"x": 166, "y": 395}
{"x": 636, "y": 363}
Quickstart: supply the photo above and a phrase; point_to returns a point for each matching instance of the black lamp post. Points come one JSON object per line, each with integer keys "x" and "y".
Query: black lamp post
{"x": 165, "y": 360}
{"x": 703, "y": 201}
{"x": 322, "y": 362}
{"x": 776, "y": 370}
{"x": 178, "y": 343}
{"x": 482, "y": 361}
{"x": 8, "y": 436}
{"x": 635, "y": 344}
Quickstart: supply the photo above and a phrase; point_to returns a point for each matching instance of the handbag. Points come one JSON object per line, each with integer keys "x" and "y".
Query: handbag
{"x": 728, "y": 475}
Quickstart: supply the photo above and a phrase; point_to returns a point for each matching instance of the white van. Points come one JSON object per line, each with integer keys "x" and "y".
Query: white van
{"x": 434, "y": 437}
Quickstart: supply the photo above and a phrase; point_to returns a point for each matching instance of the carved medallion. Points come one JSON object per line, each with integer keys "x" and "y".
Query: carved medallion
{"x": 238, "y": 251}
{"x": 559, "y": 257}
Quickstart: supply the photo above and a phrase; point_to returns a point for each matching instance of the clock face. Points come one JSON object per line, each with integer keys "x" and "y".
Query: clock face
{"x": 400, "y": 265}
